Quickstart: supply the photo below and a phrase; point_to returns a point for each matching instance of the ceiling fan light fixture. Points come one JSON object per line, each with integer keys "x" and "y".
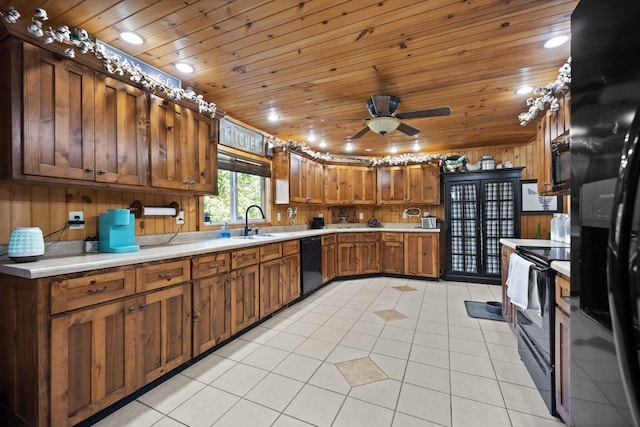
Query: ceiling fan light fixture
{"x": 383, "y": 125}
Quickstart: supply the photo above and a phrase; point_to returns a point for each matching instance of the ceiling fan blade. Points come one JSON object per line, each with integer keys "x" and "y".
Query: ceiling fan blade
{"x": 428, "y": 112}
{"x": 408, "y": 130}
{"x": 342, "y": 120}
{"x": 359, "y": 134}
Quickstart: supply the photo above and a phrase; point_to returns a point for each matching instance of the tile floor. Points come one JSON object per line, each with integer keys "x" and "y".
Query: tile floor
{"x": 367, "y": 352}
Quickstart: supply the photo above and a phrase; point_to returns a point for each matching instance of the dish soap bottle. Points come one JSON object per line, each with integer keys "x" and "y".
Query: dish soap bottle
{"x": 225, "y": 231}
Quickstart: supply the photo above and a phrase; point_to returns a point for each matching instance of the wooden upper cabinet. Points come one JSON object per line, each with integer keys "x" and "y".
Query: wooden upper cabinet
{"x": 297, "y": 179}
{"x": 79, "y": 124}
{"x": 120, "y": 132}
{"x": 553, "y": 125}
{"x": 418, "y": 183}
{"x": 58, "y": 116}
{"x": 392, "y": 185}
{"x": 423, "y": 183}
{"x": 349, "y": 185}
{"x": 183, "y": 148}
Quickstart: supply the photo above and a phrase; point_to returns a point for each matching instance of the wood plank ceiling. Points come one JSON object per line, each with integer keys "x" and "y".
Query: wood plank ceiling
{"x": 314, "y": 60}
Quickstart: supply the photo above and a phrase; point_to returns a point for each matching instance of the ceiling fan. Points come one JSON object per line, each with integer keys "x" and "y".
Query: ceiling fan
{"x": 383, "y": 120}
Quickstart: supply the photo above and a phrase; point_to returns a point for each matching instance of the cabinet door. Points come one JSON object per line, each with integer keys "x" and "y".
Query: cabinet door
{"x": 121, "y": 146}
{"x": 163, "y": 338}
{"x": 58, "y": 122}
{"x": 392, "y": 185}
{"x": 338, "y": 185}
{"x": 92, "y": 355}
{"x": 315, "y": 183}
{"x": 363, "y": 183}
{"x": 290, "y": 278}
{"x": 423, "y": 184}
{"x": 368, "y": 256}
{"x": 270, "y": 287}
{"x": 392, "y": 257}
{"x": 421, "y": 256}
{"x": 328, "y": 262}
{"x": 297, "y": 178}
{"x": 183, "y": 152}
{"x": 245, "y": 297}
{"x": 211, "y": 312}
{"x": 347, "y": 260}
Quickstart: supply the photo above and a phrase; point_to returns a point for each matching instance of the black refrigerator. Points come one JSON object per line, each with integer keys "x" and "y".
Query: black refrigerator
{"x": 605, "y": 172}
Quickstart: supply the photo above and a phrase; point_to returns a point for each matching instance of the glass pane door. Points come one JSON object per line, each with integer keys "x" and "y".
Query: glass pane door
{"x": 499, "y": 220}
{"x": 464, "y": 228}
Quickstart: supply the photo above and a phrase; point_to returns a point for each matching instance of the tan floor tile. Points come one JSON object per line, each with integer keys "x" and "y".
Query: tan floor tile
{"x": 361, "y": 371}
{"x": 390, "y": 315}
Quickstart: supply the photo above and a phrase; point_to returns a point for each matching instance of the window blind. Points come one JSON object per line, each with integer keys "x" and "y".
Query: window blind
{"x": 236, "y": 163}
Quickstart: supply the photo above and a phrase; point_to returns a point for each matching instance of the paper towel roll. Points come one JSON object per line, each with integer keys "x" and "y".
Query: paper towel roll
{"x": 158, "y": 211}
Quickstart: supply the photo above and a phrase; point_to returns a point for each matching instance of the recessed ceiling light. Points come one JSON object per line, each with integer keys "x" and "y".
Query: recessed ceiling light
{"x": 524, "y": 90}
{"x": 323, "y": 144}
{"x": 349, "y": 146}
{"x": 393, "y": 149}
{"x": 311, "y": 137}
{"x": 273, "y": 117}
{"x": 368, "y": 150}
{"x": 130, "y": 37}
{"x": 416, "y": 147}
{"x": 185, "y": 68}
{"x": 556, "y": 41}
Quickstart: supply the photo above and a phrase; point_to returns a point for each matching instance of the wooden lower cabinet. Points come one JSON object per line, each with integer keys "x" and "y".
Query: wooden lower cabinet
{"x": 270, "y": 286}
{"x": 290, "y": 275}
{"x": 211, "y": 312}
{"x": 392, "y": 253}
{"x": 508, "y": 309}
{"x": 358, "y": 253}
{"x": 421, "y": 254}
{"x": 245, "y": 297}
{"x": 101, "y": 354}
{"x": 329, "y": 252}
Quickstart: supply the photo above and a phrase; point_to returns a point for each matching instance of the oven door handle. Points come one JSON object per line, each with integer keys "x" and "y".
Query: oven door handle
{"x": 619, "y": 286}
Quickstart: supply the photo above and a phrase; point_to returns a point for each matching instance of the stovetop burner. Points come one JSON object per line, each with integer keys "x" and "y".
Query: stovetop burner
{"x": 547, "y": 254}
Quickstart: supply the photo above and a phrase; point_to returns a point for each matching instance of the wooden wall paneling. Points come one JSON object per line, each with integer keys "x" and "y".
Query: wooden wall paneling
{"x": 6, "y": 206}
{"x": 41, "y": 211}
{"x": 21, "y": 206}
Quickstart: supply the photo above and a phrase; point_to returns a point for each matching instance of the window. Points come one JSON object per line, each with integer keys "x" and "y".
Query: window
{"x": 241, "y": 183}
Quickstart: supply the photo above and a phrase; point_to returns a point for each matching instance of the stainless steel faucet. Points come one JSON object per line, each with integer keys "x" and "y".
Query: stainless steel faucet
{"x": 246, "y": 218}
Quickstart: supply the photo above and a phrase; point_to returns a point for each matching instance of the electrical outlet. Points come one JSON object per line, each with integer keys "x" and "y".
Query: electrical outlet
{"x": 278, "y": 217}
{"x": 180, "y": 218}
{"x": 320, "y": 215}
{"x": 361, "y": 215}
{"x": 404, "y": 215}
{"x": 76, "y": 220}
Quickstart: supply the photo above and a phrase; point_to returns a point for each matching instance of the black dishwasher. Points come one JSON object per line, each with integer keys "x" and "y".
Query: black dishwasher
{"x": 310, "y": 263}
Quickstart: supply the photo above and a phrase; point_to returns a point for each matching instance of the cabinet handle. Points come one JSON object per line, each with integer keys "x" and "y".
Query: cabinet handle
{"x": 192, "y": 183}
{"x": 247, "y": 257}
{"x": 185, "y": 182}
{"x": 96, "y": 290}
{"x": 102, "y": 171}
{"x": 132, "y": 309}
{"x": 214, "y": 265}
{"x": 165, "y": 276}
{"x": 90, "y": 169}
{"x": 143, "y": 306}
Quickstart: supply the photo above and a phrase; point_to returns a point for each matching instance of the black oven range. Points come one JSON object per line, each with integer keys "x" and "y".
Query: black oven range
{"x": 535, "y": 325}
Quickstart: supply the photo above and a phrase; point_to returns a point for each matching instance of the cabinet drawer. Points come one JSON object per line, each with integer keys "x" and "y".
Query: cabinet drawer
{"x": 392, "y": 237}
{"x": 211, "y": 264}
{"x": 69, "y": 294}
{"x": 162, "y": 274}
{"x": 347, "y": 237}
{"x": 244, "y": 257}
{"x": 329, "y": 239}
{"x": 270, "y": 251}
{"x": 290, "y": 247}
{"x": 563, "y": 289}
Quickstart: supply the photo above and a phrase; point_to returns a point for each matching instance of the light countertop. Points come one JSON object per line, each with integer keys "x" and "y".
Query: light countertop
{"x": 563, "y": 267}
{"x": 57, "y": 265}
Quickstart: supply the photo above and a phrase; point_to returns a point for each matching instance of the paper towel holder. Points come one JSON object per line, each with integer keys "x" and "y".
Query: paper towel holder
{"x": 138, "y": 209}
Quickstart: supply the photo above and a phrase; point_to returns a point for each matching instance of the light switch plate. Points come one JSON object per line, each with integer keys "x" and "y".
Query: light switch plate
{"x": 361, "y": 215}
{"x": 278, "y": 217}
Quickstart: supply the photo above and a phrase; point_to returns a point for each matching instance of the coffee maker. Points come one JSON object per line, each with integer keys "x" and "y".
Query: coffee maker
{"x": 116, "y": 231}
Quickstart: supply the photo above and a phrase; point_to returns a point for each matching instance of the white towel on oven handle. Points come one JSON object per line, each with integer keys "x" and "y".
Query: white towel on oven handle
{"x": 518, "y": 280}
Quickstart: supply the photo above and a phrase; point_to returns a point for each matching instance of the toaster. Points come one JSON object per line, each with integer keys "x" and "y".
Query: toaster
{"x": 429, "y": 222}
